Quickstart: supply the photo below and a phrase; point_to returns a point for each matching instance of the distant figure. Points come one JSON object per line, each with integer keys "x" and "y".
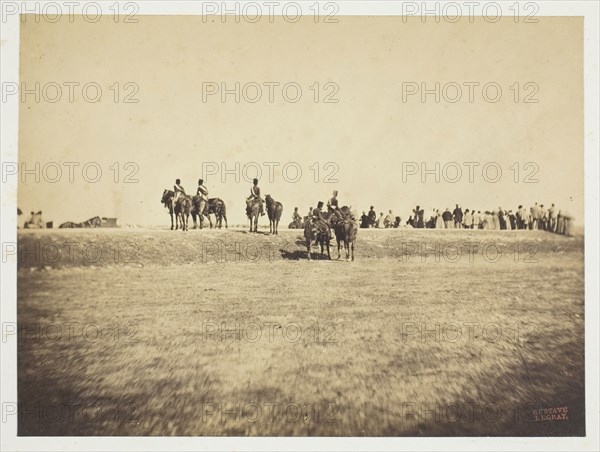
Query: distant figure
{"x": 551, "y": 218}
{"x": 364, "y": 220}
{"x": 468, "y": 219}
{"x": 535, "y": 216}
{"x": 521, "y": 217}
{"x": 476, "y": 219}
{"x": 458, "y": 217}
{"x": 439, "y": 222}
{"x": 432, "y": 219}
{"x": 372, "y": 217}
{"x": 487, "y": 220}
{"x": 418, "y": 217}
{"x": 559, "y": 223}
{"x": 543, "y": 218}
{"x": 501, "y": 219}
{"x": 388, "y": 222}
{"x": 447, "y": 217}
{"x": 178, "y": 190}
{"x": 512, "y": 220}
{"x": 397, "y": 222}
{"x": 381, "y": 221}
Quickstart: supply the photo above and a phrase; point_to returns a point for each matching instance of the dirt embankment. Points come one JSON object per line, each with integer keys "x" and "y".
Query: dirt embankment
{"x": 51, "y": 249}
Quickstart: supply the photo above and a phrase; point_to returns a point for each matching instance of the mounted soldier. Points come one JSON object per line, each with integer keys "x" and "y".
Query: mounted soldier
{"x": 296, "y": 218}
{"x": 333, "y": 209}
{"x": 202, "y": 191}
{"x": 255, "y": 195}
{"x": 178, "y": 191}
{"x": 319, "y": 221}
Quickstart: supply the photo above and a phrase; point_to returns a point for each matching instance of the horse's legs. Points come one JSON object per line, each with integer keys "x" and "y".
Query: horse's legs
{"x": 225, "y": 217}
{"x": 171, "y": 213}
{"x": 352, "y": 245}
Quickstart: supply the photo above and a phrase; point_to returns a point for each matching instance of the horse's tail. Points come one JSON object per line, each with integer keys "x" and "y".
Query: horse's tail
{"x": 223, "y": 208}
{"x": 278, "y": 211}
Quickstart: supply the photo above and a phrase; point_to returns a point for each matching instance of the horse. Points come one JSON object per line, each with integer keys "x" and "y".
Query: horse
{"x": 196, "y": 202}
{"x": 214, "y": 206}
{"x": 274, "y": 211}
{"x": 345, "y": 229}
{"x": 253, "y": 212}
{"x": 297, "y": 224}
{"x": 70, "y": 225}
{"x": 345, "y": 232}
{"x": 312, "y": 234}
{"x": 182, "y": 209}
{"x": 35, "y": 222}
{"x": 217, "y": 206}
{"x": 95, "y": 222}
{"x": 167, "y": 201}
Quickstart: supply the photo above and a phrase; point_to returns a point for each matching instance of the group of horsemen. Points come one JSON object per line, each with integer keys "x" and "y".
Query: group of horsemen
{"x": 323, "y": 223}
{"x": 316, "y": 216}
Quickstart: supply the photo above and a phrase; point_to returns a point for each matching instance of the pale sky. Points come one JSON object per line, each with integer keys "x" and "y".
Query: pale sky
{"x": 368, "y": 134}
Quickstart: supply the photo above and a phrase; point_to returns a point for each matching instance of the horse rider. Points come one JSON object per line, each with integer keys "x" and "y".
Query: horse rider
{"x": 202, "y": 191}
{"x": 332, "y": 204}
{"x": 178, "y": 189}
{"x": 255, "y": 194}
{"x": 296, "y": 218}
{"x": 333, "y": 209}
{"x": 318, "y": 220}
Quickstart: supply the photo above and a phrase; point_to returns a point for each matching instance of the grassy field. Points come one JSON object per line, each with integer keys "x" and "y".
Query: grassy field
{"x": 157, "y": 332}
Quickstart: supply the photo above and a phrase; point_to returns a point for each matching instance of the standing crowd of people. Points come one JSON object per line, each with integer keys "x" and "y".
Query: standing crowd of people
{"x": 536, "y": 217}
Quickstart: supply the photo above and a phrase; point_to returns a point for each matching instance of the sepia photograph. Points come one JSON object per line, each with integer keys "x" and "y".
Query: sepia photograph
{"x": 309, "y": 224}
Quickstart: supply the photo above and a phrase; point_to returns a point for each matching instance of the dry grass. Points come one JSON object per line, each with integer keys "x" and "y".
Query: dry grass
{"x": 365, "y": 371}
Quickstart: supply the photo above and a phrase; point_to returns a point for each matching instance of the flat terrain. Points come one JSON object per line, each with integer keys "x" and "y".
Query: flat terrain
{"x": 214, "y": 332}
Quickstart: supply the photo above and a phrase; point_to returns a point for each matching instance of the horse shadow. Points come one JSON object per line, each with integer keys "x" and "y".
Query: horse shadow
{"x": 301, "y": 254}
{"x": 295, "y": 255}
{"x": 254, "y": 232}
